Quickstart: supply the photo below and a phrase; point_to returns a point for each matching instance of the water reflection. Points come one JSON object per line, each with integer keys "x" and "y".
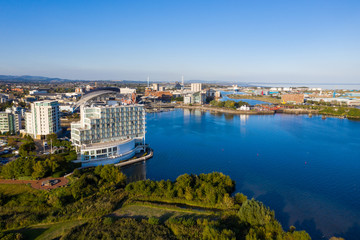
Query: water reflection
{"x": 243, "y": 119}
{"x": 135, "y": 172}
{"x": 299, "y": 166}
{"x": 228, "y": 116}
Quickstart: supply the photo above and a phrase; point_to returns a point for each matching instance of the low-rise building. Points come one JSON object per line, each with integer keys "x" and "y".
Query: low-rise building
{"x": 244, "y": 108}
{"x": 4, "y": 98}
{"x": 161, "y": 95}
{"x": 38, "y": 91}
{"x": 347, "y": 101}
{"x": 66, "y": 108}
{"x": 292, "y": 98}
{"x": 195, "y": 98}
{"x": 127, "y": 90}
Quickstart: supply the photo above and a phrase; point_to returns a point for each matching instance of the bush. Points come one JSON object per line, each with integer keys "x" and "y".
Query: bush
{"x": 108, "y": 220}
{"x": 153, "y": 221}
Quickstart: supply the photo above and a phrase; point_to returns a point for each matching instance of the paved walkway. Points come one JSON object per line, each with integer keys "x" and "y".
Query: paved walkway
{"x": 37, "y": 184}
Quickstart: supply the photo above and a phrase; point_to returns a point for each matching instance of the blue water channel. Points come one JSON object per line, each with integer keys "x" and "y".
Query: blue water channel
{"x": 306, "y": 169}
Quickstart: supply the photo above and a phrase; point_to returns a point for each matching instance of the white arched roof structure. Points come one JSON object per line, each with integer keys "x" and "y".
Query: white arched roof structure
{"x": 94, "y": 94}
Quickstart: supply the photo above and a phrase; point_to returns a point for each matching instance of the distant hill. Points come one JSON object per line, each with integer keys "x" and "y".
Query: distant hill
{"x": 26, "y": 78}
{"x": 41, "y": 79}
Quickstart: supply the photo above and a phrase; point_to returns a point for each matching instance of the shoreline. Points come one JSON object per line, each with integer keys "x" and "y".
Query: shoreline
{"x": 298, "y": 111}
{"x": 225, "y": 110}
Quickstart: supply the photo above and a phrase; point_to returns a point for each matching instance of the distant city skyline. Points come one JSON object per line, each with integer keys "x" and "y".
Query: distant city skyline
{"x": 258, "y": 41}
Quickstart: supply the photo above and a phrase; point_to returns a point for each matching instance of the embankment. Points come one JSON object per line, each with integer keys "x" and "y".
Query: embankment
{"x": 226, "y": 110}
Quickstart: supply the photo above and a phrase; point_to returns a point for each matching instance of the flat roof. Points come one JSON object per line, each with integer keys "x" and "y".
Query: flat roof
{"x": 105, "y": 144}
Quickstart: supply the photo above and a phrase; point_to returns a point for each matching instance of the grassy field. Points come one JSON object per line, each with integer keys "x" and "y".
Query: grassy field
{"x": 49, "y": 231}
{"x": 163, "y": 212}
{"x": 259, "y": 98}
{"x": 136, "y": 210}
{"x": 16, "y": 189}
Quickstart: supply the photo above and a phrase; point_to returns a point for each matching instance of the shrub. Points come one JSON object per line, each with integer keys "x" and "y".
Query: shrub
{"x": 153, "y": 221}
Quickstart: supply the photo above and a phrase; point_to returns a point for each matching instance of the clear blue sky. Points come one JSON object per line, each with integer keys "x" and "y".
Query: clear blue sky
{"x": 250, "y": 41}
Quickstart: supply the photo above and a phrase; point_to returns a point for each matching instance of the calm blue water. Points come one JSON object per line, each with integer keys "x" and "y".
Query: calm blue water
{"x": 306, "y": 169}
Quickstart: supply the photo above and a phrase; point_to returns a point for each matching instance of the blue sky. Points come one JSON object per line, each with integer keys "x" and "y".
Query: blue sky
{"x": 250, "y": 41}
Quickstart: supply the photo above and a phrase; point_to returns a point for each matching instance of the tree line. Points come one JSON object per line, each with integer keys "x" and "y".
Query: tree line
{"x": 228, "y": 104}
{"x": 96, "y": 192}
{"x": 28, "y": 164}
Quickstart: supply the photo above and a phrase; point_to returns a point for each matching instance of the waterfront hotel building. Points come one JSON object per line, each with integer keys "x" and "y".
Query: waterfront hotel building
{"x": 107, "y": 134}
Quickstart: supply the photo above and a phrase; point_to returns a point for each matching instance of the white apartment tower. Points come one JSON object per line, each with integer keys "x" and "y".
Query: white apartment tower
{"x": 43, "y": 119}
{"x": 10, "y": 121}
{"x": 107, "y": 134}
{"x": 156, "y": 87}
{"x": 196, "y": 87}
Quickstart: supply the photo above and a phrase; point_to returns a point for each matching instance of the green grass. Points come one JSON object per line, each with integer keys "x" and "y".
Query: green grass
{"x": 58, "y": 174}
{"x": 15, "y": 189}
{"x": 49, "y": 231}
{"x": 269, "y": 99}
{"x": 163, "y": 212}
{"x": 25, "y": 178}
{"x": 7, "y": 155}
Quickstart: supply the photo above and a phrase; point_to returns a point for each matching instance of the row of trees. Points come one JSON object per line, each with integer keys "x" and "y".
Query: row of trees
{"x": 341, "y": 111}
{"x": 208, "y": 190}
{"x": 92, "y": 193}
{"x": 30, "y": 165}
{"x": 228, "y": 104}
{"x": 97, "y": 192}
{"x": 178, "y": 99}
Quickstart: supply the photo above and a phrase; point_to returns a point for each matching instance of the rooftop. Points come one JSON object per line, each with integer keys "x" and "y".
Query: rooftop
{"x": 94, "y": 146}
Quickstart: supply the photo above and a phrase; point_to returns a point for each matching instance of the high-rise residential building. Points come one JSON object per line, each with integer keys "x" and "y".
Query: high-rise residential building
{"x": 156, "y": 87}
{"x": 196, "y": 87}
{"x": 43, "y": 119}
{"x": 10, "y": 121}
{"x": 107, "y": 134}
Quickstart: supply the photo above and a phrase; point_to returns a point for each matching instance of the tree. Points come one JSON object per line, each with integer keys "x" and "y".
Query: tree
{"x": 229, "y": 104}
{"x": 111, "y": 174}
{"x": 240, "y": 198}
{"x": 40, "y": 169}
{"x": 27, "y": 146}
{"x": 52, "y": 139}
{"x": 12, "y": 142}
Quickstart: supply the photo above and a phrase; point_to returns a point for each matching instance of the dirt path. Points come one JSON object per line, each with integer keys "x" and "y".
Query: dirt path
{"x": 37, "y": 184}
